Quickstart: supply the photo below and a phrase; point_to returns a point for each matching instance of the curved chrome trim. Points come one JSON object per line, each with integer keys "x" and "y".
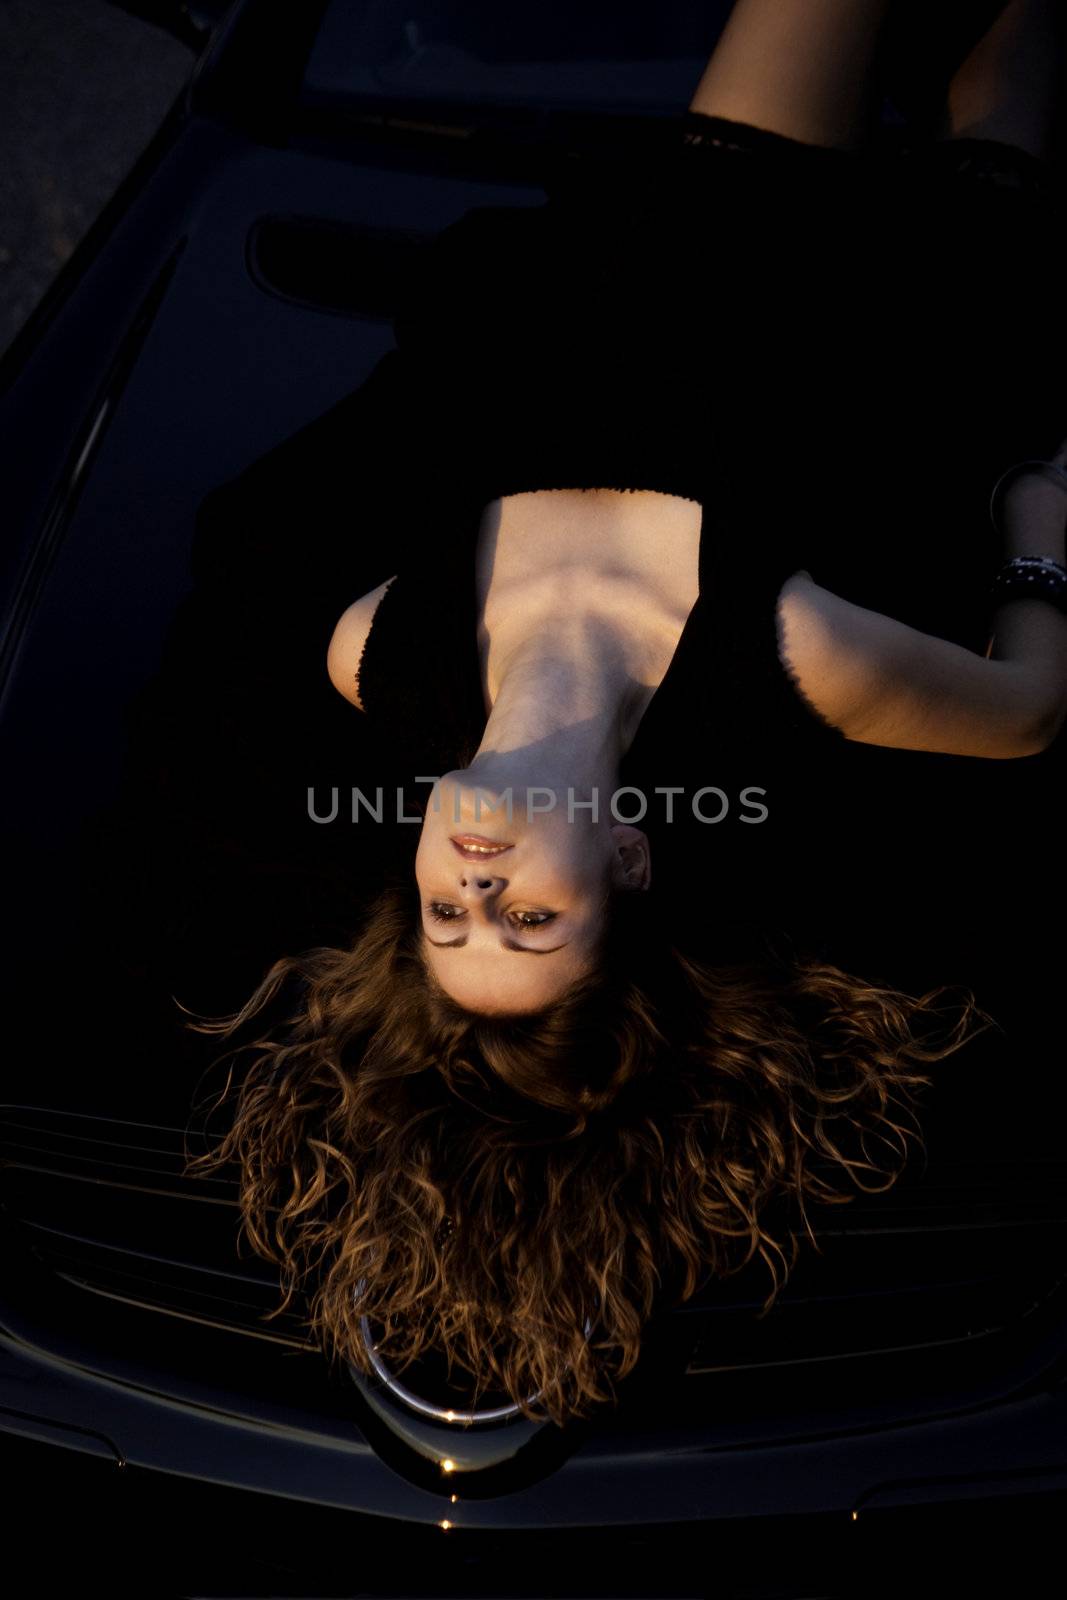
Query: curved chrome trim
{"x": 426, "y": 1408}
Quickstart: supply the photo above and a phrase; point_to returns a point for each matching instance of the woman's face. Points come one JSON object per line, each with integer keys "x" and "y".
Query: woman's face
{"x": 513, "y": 898}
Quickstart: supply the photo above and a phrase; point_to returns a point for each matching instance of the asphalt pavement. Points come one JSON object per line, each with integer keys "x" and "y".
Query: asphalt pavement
{"x": 83, "y": 87}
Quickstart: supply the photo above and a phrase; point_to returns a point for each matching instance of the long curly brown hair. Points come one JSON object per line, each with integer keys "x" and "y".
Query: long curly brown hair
{"x": 480, "y": 1186}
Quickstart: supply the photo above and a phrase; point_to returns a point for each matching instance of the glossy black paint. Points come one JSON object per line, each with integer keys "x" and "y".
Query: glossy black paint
{"x": 912, "y": 1383}
{"x": 191, "y": 21}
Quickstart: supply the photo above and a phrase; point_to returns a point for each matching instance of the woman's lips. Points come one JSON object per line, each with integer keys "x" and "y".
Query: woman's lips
{"x": 473, "y": 847}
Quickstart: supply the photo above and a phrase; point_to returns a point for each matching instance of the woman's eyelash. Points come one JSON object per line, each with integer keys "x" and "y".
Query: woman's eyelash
{"x": 521, "y": 919}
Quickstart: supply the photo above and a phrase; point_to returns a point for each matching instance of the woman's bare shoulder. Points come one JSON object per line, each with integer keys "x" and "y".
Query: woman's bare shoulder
{"x": 348, "y": 641}
{"x": 821, "y": 642}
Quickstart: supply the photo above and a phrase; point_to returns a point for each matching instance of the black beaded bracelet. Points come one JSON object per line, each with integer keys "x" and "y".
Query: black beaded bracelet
{"x": 1031, "y": 578}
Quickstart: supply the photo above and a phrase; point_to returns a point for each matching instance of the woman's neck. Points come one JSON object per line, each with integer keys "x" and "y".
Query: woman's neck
{"x": 566, "y": 708}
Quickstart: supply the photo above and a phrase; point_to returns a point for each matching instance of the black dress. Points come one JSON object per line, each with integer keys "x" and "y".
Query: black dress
{"x": 835, "y": 353}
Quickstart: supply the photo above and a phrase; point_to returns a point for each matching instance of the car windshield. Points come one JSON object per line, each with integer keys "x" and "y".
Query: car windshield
{"x": 592, "y": 54}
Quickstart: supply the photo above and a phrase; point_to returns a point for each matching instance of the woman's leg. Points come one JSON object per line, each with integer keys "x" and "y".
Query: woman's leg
{"x": 796, "y": 67}
{"x": 1009, "y": 85}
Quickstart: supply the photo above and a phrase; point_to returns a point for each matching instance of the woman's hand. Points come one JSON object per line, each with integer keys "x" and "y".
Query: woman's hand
{"x": 1029, "y": 633}
{"x": 1034, "y": 512}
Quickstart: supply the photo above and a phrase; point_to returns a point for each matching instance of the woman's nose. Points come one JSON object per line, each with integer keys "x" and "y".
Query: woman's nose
{"x": 479, "y": 885}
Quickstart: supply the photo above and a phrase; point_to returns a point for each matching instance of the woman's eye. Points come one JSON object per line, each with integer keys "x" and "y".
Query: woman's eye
{"x": 443, "y": 913}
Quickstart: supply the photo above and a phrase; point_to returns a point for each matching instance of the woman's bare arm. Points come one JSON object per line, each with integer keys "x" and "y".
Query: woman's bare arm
{"x": 882, "y": 682}
{"x": 345, "y": 651}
